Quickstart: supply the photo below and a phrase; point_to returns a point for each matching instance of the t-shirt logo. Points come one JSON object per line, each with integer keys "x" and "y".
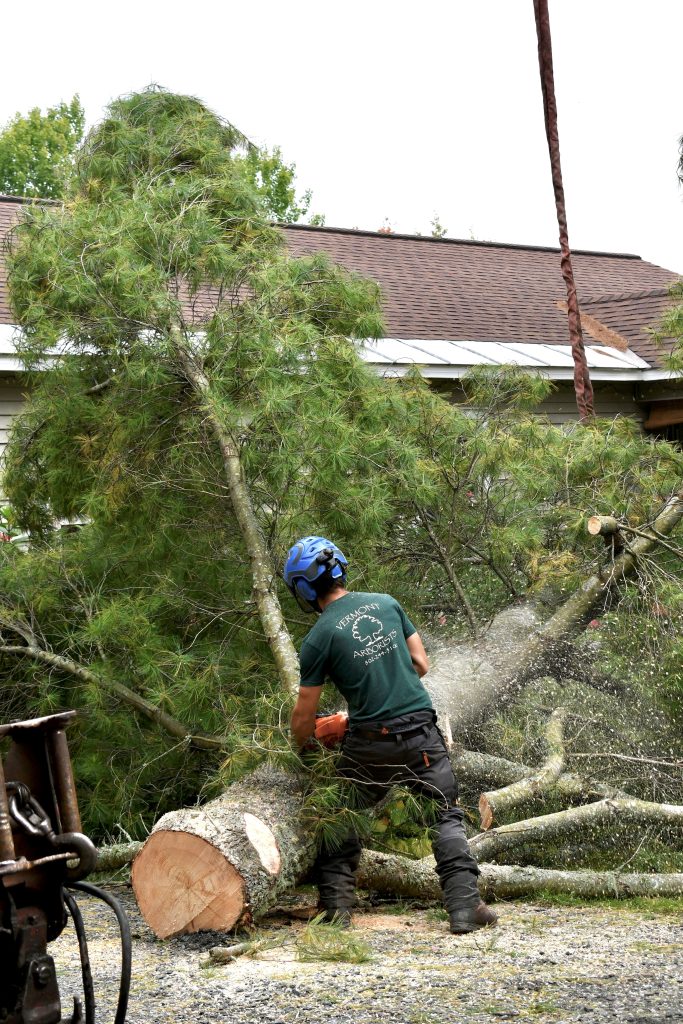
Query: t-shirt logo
{"x": 367, "y": 629}
{"x": 369, "y": 633}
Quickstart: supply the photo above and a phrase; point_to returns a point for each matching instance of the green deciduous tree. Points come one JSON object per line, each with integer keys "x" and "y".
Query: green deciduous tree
{"x": 671, "y": 327}
{"x": 37, "y": 150}
{"x": 275, "y": 182}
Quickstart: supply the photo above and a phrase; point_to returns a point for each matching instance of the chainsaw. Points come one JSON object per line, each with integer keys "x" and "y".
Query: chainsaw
{"x": 330, "y": 730}
{"x": 44, "y": 857}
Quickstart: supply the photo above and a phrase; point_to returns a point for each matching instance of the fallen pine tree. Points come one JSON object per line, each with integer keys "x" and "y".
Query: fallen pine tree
{"x": 212, "y": 867}
{"x": 400, "y": 877}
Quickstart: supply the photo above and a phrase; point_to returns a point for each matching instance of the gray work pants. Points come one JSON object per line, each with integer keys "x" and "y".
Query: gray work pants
{"x": 419, "y": 761}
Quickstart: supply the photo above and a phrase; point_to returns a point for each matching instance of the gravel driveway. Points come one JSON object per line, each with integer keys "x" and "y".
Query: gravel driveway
{"x": 541, "y": 964}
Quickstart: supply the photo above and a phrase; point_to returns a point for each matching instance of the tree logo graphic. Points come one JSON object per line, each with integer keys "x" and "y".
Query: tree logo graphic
{"x": 367, "y": 629}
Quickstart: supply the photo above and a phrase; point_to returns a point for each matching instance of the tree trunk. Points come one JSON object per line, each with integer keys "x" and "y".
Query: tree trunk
{"x": 471, "y": 681}
{"x": 586, "y": 820}
{"x": 416, "y": 879}
{"x": 215, "y": 866}
{"x": 270, "y": 612}
{"x": 402, "y": 878}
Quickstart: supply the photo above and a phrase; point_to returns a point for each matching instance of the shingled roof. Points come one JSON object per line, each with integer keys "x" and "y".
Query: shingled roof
{"x": 481, "y": 291}
{"x": 469, "y": 291}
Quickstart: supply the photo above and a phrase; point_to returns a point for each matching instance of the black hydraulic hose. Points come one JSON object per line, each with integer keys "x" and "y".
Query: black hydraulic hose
{"x": 126, "y": 943}
{"x": 88, "y": 988}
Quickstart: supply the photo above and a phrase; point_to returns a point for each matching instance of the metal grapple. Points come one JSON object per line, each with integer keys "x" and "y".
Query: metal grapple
{"x": 43, "y": 855}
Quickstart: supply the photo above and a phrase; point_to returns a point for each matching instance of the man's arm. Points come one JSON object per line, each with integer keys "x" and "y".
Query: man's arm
{"x": 418, "y": 655}
{"x": 302, "y": 725}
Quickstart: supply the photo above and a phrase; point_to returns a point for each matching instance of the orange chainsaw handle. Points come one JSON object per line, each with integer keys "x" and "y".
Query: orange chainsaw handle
{"x": 331, "y": 729}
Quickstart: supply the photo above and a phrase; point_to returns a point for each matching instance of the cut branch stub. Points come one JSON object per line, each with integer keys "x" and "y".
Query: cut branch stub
{"x": 602, "y": 526}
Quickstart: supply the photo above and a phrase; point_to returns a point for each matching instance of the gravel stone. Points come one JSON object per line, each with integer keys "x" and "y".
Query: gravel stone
{"x": 589, "y": 964}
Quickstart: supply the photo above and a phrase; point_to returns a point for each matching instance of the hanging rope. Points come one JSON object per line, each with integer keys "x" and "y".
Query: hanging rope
{"x": 582, "y": 380}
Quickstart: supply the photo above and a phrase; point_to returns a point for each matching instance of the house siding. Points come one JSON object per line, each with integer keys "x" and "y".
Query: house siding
{"x": 12, "y": 401}
{"x": 560, "y": 407}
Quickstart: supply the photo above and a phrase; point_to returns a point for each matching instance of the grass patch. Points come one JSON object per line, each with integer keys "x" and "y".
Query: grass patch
{"x": 657, "y": 947}
{"x": 640, "y": 904}
{"x": 331, "y": 942}
{"x": 542, "y": 1006}
{"x": 400, "y": 907}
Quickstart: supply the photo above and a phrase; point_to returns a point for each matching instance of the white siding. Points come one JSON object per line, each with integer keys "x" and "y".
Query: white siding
{"x": 12, "y": 401}
{"x": 560, "y": 406}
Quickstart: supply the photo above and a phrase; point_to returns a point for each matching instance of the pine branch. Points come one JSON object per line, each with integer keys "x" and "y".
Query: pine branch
{"x": 447, "y": 566}
{"x": 135, "y": 700}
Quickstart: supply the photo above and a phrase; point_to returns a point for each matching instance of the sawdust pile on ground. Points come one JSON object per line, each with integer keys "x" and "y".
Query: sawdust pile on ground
{"x": 589, "y": 964}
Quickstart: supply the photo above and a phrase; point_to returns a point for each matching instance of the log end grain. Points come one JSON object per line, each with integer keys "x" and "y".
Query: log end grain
{"x": 184, "y": 884}
{"x": 485, "y": 812}
{"x": 604, "y": 525}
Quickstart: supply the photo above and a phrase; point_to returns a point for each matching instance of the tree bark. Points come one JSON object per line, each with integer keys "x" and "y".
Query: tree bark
{"x": 406, "y": 879}
{"x": 497, "y": 802}
{"x": 215, "y": 866}
{"x": 119, "y": 855}
{"x": 416, "y": 879}
{"x": 551, "y": 828}
{"x": 270, "y": 612}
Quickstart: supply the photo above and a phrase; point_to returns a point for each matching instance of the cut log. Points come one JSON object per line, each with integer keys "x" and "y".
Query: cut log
{"x": 497, "y": 802}
{"x": 602, "y": 526}
{"x": 415, "y": 879}
{"x": 112, "y": 858}
{"x": 215, "y": 866}
{"x": 587, "y": 820}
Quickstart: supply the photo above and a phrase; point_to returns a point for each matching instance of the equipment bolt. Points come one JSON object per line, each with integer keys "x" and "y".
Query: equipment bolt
{"x": 42, "y": 974}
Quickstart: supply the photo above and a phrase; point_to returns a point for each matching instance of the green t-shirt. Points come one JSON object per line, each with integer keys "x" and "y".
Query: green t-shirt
{"x": 359, "y": 642}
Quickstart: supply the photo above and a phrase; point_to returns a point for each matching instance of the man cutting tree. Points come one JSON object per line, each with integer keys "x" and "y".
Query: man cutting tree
{"x": 369, "y": 648}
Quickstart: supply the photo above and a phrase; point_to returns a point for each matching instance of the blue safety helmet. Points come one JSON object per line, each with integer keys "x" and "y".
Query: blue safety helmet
{"x": 309, "y": 560}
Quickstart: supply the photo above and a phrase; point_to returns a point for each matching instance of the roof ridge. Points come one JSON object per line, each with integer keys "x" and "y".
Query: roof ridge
{"x": 402, "y": 236}
{"x": 20, "y": 200}
{"x": 643, "y": 293}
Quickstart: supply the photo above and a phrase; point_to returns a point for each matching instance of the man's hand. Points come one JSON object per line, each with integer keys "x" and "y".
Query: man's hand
{"x": 418, "y": 655}
{"x": 302, "y": 725}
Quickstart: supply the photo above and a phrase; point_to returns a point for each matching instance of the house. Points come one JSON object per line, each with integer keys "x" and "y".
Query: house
{"x": 451, "y": 304}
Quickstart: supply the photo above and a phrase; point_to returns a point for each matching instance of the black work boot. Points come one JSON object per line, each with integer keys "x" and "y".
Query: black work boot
{"x": 472, "y": 918}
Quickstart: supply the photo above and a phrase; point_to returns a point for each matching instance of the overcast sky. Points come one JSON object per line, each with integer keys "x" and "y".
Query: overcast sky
{"x": 400, "y": 111}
